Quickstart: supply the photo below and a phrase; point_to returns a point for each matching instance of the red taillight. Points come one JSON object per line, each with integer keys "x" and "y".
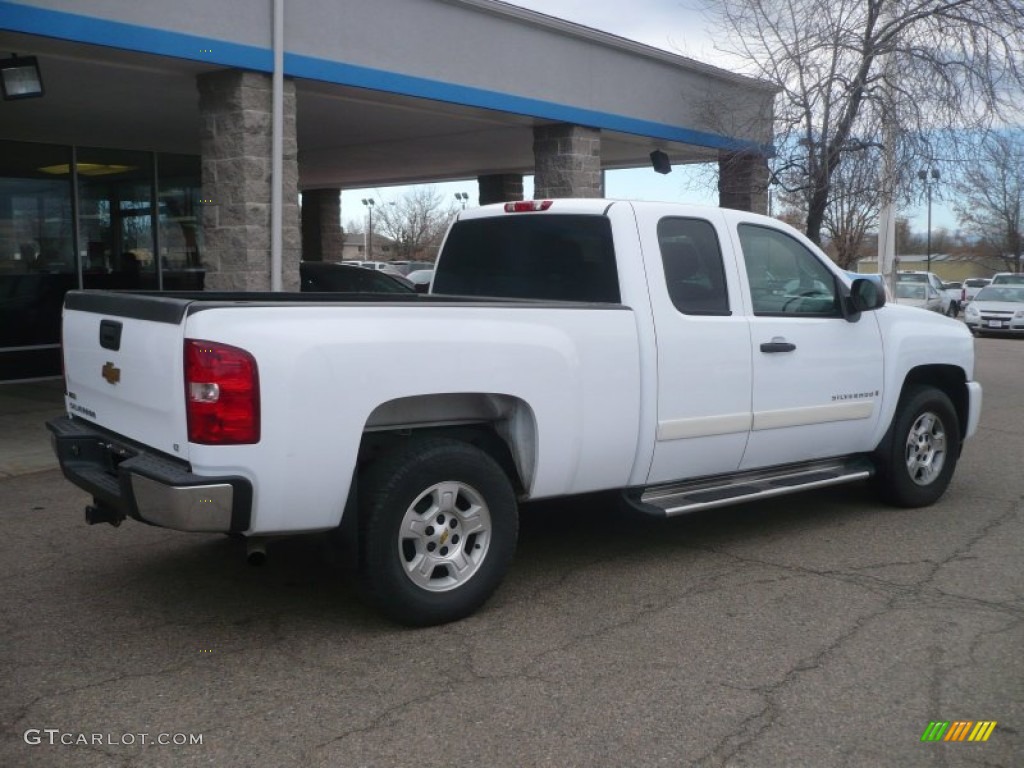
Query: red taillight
{"x": 222, "y": 394}
{"x": 525, "y": 206}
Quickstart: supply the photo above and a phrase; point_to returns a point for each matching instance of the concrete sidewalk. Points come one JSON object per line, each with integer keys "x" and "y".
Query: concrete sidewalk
{"x": 24, "y": 439}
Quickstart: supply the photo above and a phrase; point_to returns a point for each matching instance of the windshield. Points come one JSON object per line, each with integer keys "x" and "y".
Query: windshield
{"x": 1001, "y": 293}
{"x": 910, "y": 291}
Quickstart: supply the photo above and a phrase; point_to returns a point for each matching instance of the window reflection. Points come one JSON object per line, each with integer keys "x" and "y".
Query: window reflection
{"x": 37, "y": 264}
{"x": 115, "y": 191}
{"x": 179, "y": 235}
{"x": 117, "y": 244}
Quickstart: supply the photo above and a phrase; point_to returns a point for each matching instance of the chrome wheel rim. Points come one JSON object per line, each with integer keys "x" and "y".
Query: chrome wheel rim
{"x": 444, "y": 536}
{"x": 926, "y": 448}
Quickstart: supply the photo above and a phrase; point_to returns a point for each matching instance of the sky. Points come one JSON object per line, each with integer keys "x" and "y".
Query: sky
{"x": 676, "y": 26}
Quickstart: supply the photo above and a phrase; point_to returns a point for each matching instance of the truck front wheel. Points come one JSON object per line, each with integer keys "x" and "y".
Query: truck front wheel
{"x": 438, "y": 529}
{"x": 916, "y": 465}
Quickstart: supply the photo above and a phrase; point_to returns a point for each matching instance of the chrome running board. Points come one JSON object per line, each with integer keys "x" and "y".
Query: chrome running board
{"x": 723, "y": 490}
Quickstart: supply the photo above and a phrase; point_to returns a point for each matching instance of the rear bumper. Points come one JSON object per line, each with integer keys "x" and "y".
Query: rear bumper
{"x": 126, "y": 480}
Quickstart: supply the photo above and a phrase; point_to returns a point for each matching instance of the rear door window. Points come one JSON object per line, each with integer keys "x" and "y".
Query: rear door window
{"x": 694, "y": 274}
{"x": 530, "y": 256}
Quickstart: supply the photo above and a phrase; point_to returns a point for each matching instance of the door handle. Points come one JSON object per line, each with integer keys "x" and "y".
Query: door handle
{"x": 777, "y": 346}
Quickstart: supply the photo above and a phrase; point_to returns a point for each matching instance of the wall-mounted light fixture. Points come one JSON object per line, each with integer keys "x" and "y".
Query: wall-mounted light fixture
{"x": 660, "y": 162}
{"x": 20, "y": 78}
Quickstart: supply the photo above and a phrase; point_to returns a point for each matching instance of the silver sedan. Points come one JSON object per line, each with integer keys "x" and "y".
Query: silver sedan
{"x": 996, "y": 309}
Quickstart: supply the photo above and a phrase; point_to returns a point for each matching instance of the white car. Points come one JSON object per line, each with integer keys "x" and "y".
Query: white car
{"x": 996, "y": 309}
{"x": 920, "y": 295}
{"x": 971, "y": 287}
{"x": 1008, "y": 278}
{"x": 954, "y": 293}
{"x": 912, "y": 276}
{"x": 421, "y": 279}
{"x": 380, "y": 266}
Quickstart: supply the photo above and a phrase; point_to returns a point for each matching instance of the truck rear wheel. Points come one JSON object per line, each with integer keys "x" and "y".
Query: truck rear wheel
{"x": 918, "y": 462}
{"x": 438, "y": 529}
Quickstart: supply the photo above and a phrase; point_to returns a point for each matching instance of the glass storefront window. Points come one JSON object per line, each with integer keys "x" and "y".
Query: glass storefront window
{"x": 115, "y": 218}
{"x": 114, "y": 243}
{"x": 179, "y": 235}
{"x": 37, "y": 255}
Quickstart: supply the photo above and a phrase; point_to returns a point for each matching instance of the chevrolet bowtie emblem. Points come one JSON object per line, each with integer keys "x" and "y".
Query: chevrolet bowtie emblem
{"x": 111, "y": 373}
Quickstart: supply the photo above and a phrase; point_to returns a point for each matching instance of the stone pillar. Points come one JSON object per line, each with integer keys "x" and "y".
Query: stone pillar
{"x": 500, "y": 187}
{"x": 236, "y": 139}
{"x": 322, "y": 238}
{"x": 567, "y": 161}
{"x": 743, "y": 181}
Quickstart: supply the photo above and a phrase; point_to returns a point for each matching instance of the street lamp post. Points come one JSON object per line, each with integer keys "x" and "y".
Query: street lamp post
{"x": 929, "y": 179}
{"x": 368, "y": 240}
{"x": 462, "y": 197}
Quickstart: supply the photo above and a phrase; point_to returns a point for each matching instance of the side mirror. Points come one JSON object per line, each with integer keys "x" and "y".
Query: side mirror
{"x": 866, "y": 295}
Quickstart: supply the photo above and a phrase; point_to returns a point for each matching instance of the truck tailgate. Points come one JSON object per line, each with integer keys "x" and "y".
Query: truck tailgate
{"x": 123, "y": 365}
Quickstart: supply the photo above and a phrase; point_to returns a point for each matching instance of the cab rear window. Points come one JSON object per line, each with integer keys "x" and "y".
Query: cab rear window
{"x": 567, "y": 257}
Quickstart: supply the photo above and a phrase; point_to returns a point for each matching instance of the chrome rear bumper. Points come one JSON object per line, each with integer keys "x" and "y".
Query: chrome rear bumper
{"x": 126, "y": 480}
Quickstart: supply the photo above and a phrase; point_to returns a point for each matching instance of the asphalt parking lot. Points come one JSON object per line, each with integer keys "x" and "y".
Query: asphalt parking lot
{"x": 819, "y": 630}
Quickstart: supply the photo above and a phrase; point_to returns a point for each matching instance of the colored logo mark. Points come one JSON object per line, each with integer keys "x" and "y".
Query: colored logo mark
{"x": 959, "y": 730}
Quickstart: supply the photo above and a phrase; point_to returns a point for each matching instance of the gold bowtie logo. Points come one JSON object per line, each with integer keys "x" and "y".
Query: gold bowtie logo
{"x": 111, "y": 373}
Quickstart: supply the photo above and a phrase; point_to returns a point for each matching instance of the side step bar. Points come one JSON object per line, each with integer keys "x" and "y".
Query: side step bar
{"x": 722, "y": 490}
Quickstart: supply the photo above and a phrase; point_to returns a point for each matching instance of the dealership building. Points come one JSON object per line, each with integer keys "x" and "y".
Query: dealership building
{"x": 155, "y": 145}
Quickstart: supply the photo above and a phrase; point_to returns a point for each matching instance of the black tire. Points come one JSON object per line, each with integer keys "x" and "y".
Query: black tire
{"x": 952, "y": 311}
{"x": 438, "y": 528}
{"x": 916, "y": 461}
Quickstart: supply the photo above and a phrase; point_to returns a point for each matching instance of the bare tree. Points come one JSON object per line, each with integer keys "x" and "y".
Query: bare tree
{"x": 416, "y": 222}
{"x": 852, "y": 208}
{"x": 991, "y": 198}
{"x": 930, "y": 70}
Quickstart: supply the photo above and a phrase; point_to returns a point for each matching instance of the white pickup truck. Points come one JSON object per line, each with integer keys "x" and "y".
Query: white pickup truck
{"x": 687, "y": 357}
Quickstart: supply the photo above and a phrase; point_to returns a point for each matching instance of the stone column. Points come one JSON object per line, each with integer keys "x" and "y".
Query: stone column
{"x": 236, "y": 138}
{"x": 567, "y": 161}
{"x": 322, "y": 238}
{"x": 500, "y": 187}
{"x": 743, "y": 181}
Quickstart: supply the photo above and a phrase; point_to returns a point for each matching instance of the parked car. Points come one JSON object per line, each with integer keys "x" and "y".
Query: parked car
{"x": 997, "y": 309}
{"x": 1008, "y": 278}
{"x": 971, "y": 287}
{"x": 405, "y": 267}
{"x": 421, "y": 279}
{"x": 912, "y": 276}
{"x": 920, "y": 295}
{"x": 953, "y": 293}
{"x": 319, "y": 276}
{"x": 379, "y": 266}
{"x": 935, "y": 283}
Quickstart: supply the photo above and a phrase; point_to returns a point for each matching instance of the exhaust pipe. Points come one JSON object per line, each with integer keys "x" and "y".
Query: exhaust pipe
{"x": 256, "y": 552}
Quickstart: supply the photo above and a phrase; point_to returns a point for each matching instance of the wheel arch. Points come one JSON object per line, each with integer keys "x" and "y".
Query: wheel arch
{"x": 951, "y": 379}
{"x": 504, "y": 426}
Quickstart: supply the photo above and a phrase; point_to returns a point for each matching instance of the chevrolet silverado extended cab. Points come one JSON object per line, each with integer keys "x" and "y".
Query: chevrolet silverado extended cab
{"x": 685, "y": 357}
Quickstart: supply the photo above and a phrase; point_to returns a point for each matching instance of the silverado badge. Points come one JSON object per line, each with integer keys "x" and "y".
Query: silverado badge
{"x": 111, "y": 373}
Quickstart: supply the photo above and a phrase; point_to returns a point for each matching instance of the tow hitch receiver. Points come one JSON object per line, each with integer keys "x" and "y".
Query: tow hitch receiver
{"x": 98, "y": 513}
